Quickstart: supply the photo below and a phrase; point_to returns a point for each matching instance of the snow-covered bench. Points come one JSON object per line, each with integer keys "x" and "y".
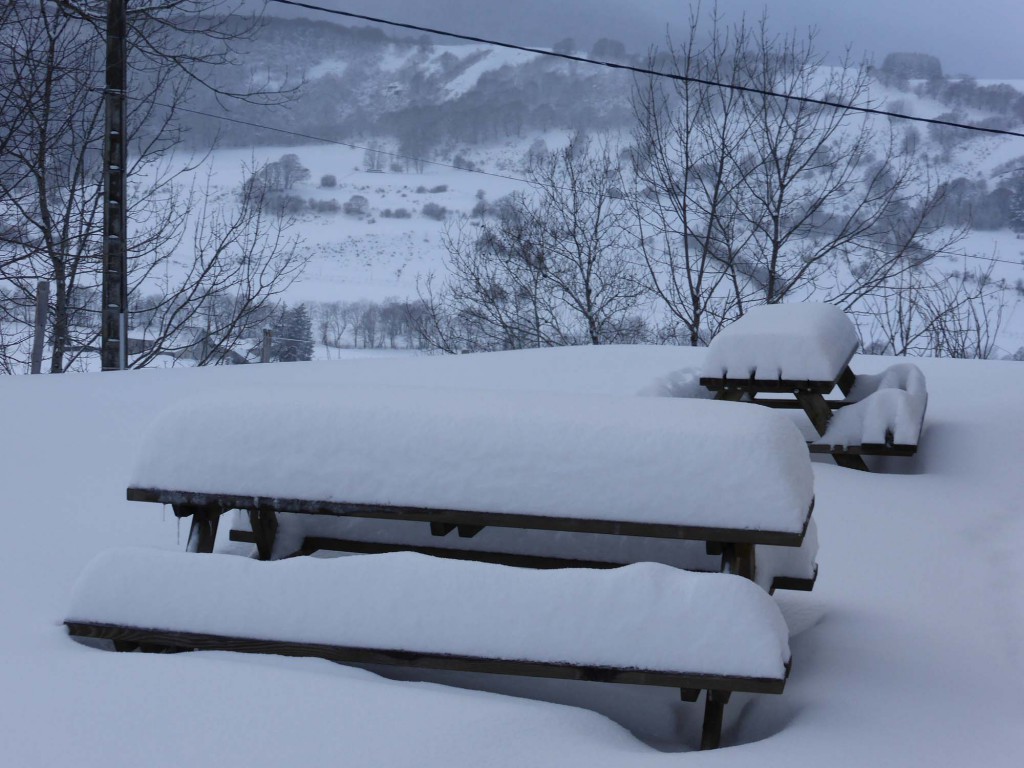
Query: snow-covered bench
{"x": 730, "y": 477}
{"x": 643, "y": 624}
{"x": 882, "y": 415}
{"x": 789, "y": 568}
{"x": 803, "y": 351}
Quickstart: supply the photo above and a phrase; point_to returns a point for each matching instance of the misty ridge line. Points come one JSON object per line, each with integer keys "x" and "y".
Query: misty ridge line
{"x": 651, "y": 72}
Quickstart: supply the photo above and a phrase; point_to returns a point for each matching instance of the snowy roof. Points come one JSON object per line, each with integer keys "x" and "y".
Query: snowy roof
{"x": 795, "y": 342}
{"x": 650, "y": 460}
{"x": 647, "y": 616}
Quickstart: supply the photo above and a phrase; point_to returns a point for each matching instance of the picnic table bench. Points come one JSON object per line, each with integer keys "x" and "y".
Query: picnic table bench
{"x": 794, "y": 356}
{"x": 298, "y": 534}
{"x": 645, "y": 624}
{"x": 731, "y": 478}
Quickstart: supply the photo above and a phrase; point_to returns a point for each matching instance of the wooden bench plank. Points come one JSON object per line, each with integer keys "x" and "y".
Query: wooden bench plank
{"x": 312, "y": 544}
{"x": 224, "y": 502}
{"x": 867, "y": 449}
{"x": 718, "y": 688}
{"x": 197, "y": 641}
{"x": 771, "y": 386}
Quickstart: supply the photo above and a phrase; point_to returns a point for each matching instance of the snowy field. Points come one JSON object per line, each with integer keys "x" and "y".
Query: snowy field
{"x": 374, "y": 257}
{"x": 910, "y": 650}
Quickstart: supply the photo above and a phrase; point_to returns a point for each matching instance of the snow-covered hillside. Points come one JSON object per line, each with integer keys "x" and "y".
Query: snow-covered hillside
{"x": 444, "y": 90}
{"x": 907, "y": 652}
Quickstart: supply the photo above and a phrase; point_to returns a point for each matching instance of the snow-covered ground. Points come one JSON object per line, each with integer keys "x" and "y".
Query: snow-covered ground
{"x": 373, "y": 257}
{"x": 910, "y": 650}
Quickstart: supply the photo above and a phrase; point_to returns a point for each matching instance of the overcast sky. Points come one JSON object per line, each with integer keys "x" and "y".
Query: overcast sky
{"x": 984, "y": 38}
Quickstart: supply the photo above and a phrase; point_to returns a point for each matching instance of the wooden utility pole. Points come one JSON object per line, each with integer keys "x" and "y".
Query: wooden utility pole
{"x": 114, "y": 331}
{"x": 42, "y": 308}
{"x": 268, "y": 341}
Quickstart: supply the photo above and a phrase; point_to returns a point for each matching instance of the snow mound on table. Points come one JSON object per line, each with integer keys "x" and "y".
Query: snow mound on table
{"x": 674, "y": 461}
{"x": 644, "y": 616}
{"x": 905, "y": 376}
{"x": 800, "y": 342}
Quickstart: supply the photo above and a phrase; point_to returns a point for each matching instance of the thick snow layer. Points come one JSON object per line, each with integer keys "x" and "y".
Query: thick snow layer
{"x": 904, "y": 376}
{"x": 644, "y": 616}
{"x": 907, "y": 653}
{"x": 653, "y": 460}
{"x": 890, "y": 403}
{"x": 802, "y": 342}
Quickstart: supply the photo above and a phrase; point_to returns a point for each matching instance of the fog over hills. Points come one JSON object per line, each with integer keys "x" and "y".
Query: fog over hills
{"x": 983, "y": 43}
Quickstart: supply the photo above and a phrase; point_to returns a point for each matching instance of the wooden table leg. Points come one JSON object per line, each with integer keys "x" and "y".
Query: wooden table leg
{"x": 816, "y": 408}
{"x": 851, "y": 461}
{"x": 203, "y": 534}
{"x": 441, "y": 529}
{"x": 739, "y": 559}
{"x": 846, "y": 381}
{"x": 714, "y": 711}
{"x": 264, "y": 530}
{"x": 733, "y": 395}
{"x": 819, "y": 413}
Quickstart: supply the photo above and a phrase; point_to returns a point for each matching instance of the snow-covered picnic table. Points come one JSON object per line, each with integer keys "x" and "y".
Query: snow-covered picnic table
{"x": 731, "y": 477}
{"x": 804, "y": 351}
{"x": 719, "y": 473}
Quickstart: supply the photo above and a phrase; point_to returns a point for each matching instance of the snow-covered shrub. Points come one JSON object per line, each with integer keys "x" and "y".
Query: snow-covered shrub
{"x": 434, "y": 211}
{"x": 357, "y": 205}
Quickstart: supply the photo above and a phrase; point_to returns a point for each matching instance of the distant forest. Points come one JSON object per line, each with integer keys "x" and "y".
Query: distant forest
{"x": 357, "y": 82}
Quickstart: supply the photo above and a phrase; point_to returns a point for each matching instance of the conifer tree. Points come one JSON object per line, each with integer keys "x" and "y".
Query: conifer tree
{"x": 300, "y": 332}
{"x": 1017, "y": 205}
{"x": 292, "y": 332}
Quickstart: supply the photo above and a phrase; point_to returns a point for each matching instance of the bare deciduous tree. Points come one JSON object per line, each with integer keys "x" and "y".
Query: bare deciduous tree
{"x": 585, "y": 225}
{"x": 832, "y": 185}
{"x": 552, "y": 268}
{"x": 929, "y": 311}
{"x": 51, "y": 175}
{"x": 762, "y": 194}
{"x": 689, "y": 168}
{"x": 495, "y": 296}
{"x": 242, "y": 260}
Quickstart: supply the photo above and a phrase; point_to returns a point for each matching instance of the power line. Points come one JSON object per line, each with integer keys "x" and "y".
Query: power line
{"x": 626, "y": 67}
{"x": 507, "y": 177}
{"x": 955, "y": 255}
{"x": 649, "y": 72}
